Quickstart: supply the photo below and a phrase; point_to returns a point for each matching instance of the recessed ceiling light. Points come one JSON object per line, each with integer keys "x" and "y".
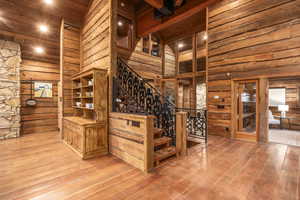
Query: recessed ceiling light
{"x": 43, "y": 28}
{"x": 205, "y": 36}
{"x": 180, "y": 45}
{"x": 49, "y": 2}
{"x": 122, "y": 4}
{"x": 120, "y": 23}
{"x": 39, "y": 50}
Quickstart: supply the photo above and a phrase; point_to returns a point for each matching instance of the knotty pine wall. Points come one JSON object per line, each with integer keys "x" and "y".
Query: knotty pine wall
{"x": 248, "y": 38}
{"x": 95, "y": 36}
{"x": 43, "y": 117}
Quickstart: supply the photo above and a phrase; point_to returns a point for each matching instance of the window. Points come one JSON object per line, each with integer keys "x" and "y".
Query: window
{"x": 155, "y": 46}
{"x": 146, "y": 44}
{"x": 152, "y": 45}
{"x": 185, "y": 55}
{"x": 124, "y": 32}
{"x": 276, "y": 96}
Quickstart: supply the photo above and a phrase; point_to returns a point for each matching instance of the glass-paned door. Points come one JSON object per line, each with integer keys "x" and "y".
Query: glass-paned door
{"x": 246, "y": 108}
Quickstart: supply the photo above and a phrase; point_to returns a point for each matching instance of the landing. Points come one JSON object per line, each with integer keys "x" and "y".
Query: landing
{"x": 39, "y": 166}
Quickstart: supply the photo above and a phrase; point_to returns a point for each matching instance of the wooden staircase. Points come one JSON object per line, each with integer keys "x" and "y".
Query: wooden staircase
{"x": 162, "y": 146}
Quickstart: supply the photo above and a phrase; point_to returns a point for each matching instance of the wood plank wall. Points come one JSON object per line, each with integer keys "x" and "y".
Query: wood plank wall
{"x": 131, "y": 139}
{"x": 170, "y": 62}
{"x": 145, "y": 65}
{"x": 43, "y": 117}
{"x": 95, "y": 37}
{"x": 292, "y": 87}
{"x": 71, "y": 65}
{"x": 248, "y": 38}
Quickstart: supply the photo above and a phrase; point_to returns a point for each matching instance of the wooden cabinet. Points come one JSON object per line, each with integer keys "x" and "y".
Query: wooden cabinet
{"x": 86, "y": 131}
{"x": 86, "y": 137}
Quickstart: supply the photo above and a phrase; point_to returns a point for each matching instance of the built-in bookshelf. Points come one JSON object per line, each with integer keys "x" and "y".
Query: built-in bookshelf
{"x": 86, "y": 131}
{"x": 85, "y": 98}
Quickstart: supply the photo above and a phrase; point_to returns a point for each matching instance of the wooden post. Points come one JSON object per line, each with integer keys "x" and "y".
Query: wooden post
{"x": 264, "y": 110}
{"x": 181, "y": 133}
{"x": 61, "y": 83}
{"x": 149, "y": 144}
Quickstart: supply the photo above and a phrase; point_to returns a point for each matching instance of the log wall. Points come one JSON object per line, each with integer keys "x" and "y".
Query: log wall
{"x": 248, "y": 39}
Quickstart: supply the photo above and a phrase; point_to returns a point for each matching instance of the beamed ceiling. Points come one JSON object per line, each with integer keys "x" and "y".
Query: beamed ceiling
{"x": 19, "y": 20}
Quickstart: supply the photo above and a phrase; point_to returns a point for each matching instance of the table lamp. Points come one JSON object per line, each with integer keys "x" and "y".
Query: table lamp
{"x": 283, "y": 109}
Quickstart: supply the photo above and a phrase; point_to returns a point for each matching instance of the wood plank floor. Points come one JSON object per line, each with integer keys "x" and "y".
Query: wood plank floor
{"x": 41, "y": 167}
{"x": 284, "y": 136}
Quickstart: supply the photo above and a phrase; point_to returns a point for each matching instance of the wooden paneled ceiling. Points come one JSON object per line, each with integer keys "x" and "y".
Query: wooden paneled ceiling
{"x": 19, "y": 21}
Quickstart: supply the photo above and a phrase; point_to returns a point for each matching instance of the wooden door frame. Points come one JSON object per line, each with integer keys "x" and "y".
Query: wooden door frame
{"x": 234, "y": 109}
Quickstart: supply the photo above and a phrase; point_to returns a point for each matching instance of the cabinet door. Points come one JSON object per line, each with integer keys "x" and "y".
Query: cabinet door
{"x": 95, "y": 139}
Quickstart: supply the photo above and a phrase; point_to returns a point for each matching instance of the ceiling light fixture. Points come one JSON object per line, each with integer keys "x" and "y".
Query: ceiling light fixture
{"x": 49, "y": 2}
{"x": 39, "y": 50}
{"x": 122, "y": 4}
{"x": 205, "y": 36}
{"x": 120, "y": 23}
{"x": 180, "y": 45}
{"x": 43, "y": 28}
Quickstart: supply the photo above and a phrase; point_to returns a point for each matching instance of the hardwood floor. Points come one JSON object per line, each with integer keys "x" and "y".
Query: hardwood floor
{"x": 284, "y": 136}
{"x": 41, "y": 167}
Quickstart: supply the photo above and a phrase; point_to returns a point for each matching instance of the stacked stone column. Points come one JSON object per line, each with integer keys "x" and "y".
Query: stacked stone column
{"x": 10, "y": 59}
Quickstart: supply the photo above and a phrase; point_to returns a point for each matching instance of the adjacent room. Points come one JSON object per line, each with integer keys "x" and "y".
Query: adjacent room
{"x": 284, "y": 111}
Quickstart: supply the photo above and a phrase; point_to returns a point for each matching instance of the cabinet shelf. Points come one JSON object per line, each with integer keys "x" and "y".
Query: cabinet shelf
{"x": 83, "y": 97}
{"x": 84, "y": 108}
{"x": 87, "y": 86}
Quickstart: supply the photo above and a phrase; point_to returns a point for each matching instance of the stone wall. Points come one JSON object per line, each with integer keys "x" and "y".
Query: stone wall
{"x": 201, "y": 95}
{"x": 10, "y": 59}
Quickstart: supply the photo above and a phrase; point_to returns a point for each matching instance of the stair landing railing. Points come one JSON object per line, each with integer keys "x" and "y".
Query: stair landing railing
{"x": 133, "y": 94}
{"x": 196, "y": 123}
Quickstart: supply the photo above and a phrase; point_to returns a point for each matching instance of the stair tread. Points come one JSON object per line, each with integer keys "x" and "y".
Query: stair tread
{"x": 164, "y": 153}
{"x": 158, "y": 131}
{"x": 162, "y": 140}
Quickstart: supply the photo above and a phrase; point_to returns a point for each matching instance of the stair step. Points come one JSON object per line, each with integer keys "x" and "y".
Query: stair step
{"x": 158, "y": 132}
{"x": 161, "y": 141}
{"x": 164, "y": 153}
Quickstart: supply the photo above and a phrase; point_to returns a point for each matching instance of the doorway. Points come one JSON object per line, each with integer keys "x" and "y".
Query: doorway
{"x": 284, "y": 110}
{"x": 245, "y": 105}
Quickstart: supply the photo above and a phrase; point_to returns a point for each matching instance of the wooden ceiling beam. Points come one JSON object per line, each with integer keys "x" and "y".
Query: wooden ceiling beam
{"x": 156, "y": 3}
{"x": 147, "y": 24}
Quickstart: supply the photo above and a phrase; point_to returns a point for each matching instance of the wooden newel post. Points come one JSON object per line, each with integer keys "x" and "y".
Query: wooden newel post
{"x": 181, "y": 133}
{"x": 149, "y": 144}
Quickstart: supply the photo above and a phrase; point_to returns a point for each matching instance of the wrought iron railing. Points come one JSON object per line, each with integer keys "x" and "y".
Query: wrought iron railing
{"x": 133, "y": 94}
{"x": 196, "y": 123}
